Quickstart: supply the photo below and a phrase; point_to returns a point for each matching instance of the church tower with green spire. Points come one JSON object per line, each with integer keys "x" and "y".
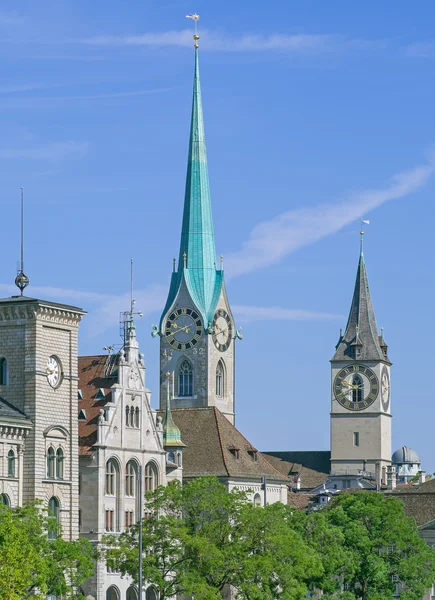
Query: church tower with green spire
{"x": 196, "y": 329}
{"x": 360, "y": 404}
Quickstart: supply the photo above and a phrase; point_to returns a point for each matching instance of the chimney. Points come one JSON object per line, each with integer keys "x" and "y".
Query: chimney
{"x": 391, "y": 477}
{"x": 297, "y": 483}
{"x": 421, "y": 477}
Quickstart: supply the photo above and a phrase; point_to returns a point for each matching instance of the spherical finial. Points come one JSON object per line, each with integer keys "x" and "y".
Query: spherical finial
{"x": 21, "y": 281}
{"x": 195, "y": 19}
{"x": 168, "y": 374}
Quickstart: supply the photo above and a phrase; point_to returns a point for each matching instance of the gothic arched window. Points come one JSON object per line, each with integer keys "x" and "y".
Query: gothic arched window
{"x": 3, "y": 371}
{"x": 185, "y": 379}
{"x": 53, "y": 511}
{"x": 130, "y": 479}
{"x": 151, "y": 594}
{"x": 11, "y": 463}
{"x": 4, "y": 499}
{"x": 358, "y": 391}
{"x": 151, "y": 477}
{"x": 51, "y": 458}
{"x": 112, "y": 593}
{"x": 136, "y": 418}
{"x": 132, "y": 593}
{"x": 127, "y": 416}
{"x": 59, "y": 463}
{"x": 111, "y": 477}
{"x": 220, "y": 373}
{"x": 257, "y": 500}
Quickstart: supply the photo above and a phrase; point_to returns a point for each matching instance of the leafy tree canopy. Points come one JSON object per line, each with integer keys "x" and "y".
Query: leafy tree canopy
{"x": 31, "y": 565}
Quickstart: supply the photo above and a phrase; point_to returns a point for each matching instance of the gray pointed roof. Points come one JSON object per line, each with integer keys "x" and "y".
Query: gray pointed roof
{"x": 361, "y": 333}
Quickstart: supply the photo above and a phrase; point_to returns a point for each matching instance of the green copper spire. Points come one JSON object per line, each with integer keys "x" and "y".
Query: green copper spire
{"x": 197, "y": 257}
{"x": 171, "y": 433}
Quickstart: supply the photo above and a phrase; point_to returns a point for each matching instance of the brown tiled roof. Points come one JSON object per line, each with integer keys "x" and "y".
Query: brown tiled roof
{"x": 418, "y": 501}
{"x": 299, "y": 499}
{"x": 91, "y": 379}
{"x": 209, "y": 437}
{"x": 311, "y": 466}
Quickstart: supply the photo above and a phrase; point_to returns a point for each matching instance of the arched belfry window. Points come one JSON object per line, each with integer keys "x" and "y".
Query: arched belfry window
{"x": 130, "y": 479}
{"x": 220, "y": 374}
{"x": 185, "y": 379}
{"x": 51, "y": 458}
{"x": 3, "y": 371}
{"x": 59, "y": 463}
{"x": 358, "y": 390}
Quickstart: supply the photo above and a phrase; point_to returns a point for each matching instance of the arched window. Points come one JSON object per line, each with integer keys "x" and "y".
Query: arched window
{"x": 4, "y": 499}
{"x": 220, "y": 380}
{"x": 171, "y": 457}
{"x": 358, "y": 391}
{"x": 179, "y": 459}
{"x": 130, "y": 479}
{"x": 51, "y": 463}
{"x": 257, "y": 500}
{"x": 151, "y": 477}
{"x": 127, "y": 416}
{"x": 11, "y": 463}
{"x": 53, "y": 511}
{"x": 136, "y": 417}
{"x": 185, "y": 379}
{"x": 151, "y": 594}
{"x": 59, "y": 463}
{"x": 3, "y": 371}
{"x": 112, "y": 593}
{"x": 132, "y": 594}
{"x": 111, "y": 477}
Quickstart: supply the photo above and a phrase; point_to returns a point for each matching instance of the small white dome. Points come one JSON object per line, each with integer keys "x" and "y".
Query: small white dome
{"x": 405, "y": 455}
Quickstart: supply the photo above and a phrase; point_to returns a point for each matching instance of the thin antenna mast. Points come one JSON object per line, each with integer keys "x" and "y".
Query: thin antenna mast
{"x": 21, "y": 280}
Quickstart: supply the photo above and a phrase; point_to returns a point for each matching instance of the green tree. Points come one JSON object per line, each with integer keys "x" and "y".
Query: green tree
{"x": 378, "y": 544}
{"x": 31, "y": 565}
{"x": 199, "y": 539}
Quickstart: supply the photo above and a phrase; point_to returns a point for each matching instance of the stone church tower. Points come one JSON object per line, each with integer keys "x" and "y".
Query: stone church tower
{"x": 196, "y": 330}
{"x": 360, "y": 404}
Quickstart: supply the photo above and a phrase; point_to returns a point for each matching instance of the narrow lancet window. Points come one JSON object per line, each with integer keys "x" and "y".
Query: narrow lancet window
{"x": 185, "y": 379}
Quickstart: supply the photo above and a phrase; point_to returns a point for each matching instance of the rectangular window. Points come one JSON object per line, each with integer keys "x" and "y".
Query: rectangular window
{"x": 356, "y": 438}
{"x": 129, "y": 518}
{"x": 109, "y": 520}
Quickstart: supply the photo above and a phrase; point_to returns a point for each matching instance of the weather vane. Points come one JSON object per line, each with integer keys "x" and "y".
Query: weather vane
{"x": 361, "y": 221}
{"x": 195, "y": 19}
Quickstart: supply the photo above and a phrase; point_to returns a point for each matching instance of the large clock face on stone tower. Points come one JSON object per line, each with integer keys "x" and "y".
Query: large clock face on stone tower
{"x": 222, "y": 330}
{"x": 183, "y": 328}
{"x": 356, "y": 387}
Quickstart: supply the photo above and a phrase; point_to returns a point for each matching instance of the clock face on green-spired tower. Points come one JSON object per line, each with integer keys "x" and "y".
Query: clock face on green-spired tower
{"x": 356, "y": 387}
{"x": 183, "y": 328}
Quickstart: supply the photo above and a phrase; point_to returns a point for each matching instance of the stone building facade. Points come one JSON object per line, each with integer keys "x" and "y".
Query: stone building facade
{"x": 119, "y": 435}
{"x": 38, "y": 406}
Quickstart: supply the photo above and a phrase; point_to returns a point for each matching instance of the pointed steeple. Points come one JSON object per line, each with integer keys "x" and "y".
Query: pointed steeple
{"x": 361, "y": 340}
{"x": 171, "y": 433}
{"x": 197, "y": 256}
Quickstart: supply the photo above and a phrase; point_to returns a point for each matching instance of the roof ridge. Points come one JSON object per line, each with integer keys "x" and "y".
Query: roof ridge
{"x": 215, "y": 411}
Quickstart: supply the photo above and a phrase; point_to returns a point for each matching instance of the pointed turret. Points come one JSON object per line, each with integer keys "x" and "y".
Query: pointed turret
{"x": 361, "y": 340}
{"x": 197, "y": 257}
{"x": 171, "y": 433}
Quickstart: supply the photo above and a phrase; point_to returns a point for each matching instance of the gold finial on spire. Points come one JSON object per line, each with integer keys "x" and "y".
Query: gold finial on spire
{"x": 184, "y": 259}
{"x": 168, "y": 374}
{"x": 195, "y": 18}
{"x": 361, "y": 233}
{"x": 222, "y": 261}
{"x": 173, "y": 264}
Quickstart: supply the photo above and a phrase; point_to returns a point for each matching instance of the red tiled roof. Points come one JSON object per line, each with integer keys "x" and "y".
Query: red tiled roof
{"x": 91, "y": 380}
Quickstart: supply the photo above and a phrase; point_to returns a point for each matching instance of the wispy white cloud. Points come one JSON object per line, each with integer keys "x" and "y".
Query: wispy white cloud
{"x": 246, "y": 313}
{"x": 53, "y": 151}
{"x": 10, "y": 18}
{"x": 421, "y": 50}
{"x": 216, "y": 41}
{"x": 270, "y": 241}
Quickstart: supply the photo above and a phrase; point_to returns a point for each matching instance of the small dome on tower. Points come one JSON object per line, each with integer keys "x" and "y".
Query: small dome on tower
{"x": 405, "y": 455}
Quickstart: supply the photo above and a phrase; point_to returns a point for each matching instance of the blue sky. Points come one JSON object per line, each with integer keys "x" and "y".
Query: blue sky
{"x": 315, "y": 114}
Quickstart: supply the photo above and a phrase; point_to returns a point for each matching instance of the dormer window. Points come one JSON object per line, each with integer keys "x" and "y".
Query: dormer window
{"x": 79, "y": 395}
{"x": 235, "y": 452}
{"x": 82, "y": 415}
{"x": 253, "y": 454}
{"x": 100, "y": 395}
